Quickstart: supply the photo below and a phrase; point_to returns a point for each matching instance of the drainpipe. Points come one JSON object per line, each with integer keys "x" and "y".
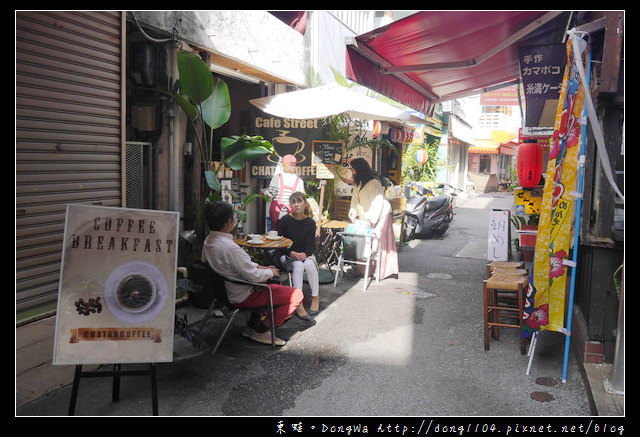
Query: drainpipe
{"x": 171, "y": 192}
{"x": 174, "y": 156}
{"x": 615, "y": 385}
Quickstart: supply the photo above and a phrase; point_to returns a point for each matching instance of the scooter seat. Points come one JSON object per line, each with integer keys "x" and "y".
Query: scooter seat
{"x": 437, "y": 202}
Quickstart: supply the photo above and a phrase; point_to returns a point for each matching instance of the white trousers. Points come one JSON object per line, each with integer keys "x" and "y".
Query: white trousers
{"x": 310, "y": 267}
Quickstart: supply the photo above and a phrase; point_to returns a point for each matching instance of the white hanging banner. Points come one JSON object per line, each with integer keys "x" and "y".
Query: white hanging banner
{"x": 498, "y": 240}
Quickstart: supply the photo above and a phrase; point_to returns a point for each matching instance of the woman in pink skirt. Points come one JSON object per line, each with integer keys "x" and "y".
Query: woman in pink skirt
{"x": 369, "y": 204}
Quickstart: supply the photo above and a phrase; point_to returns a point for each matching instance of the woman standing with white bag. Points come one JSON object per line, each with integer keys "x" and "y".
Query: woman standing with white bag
{"x": 369, "y": 204}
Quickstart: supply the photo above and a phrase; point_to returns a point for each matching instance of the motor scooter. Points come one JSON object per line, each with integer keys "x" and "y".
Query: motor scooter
{"x": 427, "y": 215}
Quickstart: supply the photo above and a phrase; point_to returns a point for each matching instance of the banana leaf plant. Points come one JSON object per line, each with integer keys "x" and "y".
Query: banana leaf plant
{"x": 206, "y": 102}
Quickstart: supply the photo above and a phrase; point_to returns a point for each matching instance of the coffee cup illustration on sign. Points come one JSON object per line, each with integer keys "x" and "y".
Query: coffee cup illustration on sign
{"x": 286, "y": 145}
{"x": 135, "y": 292}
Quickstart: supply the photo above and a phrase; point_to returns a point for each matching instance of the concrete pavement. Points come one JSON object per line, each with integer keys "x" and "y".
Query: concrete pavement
{"x": 408, "y": 347}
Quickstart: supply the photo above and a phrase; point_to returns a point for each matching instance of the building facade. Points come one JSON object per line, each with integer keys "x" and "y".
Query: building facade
{"x": 91, "y": 129}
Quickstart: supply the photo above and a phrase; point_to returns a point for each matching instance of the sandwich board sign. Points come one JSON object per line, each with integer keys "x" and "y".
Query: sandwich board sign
{"x": 116, "y": 301}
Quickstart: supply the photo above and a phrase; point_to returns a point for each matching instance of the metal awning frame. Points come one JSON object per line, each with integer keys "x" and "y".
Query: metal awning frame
{"x": 400, "y": 72}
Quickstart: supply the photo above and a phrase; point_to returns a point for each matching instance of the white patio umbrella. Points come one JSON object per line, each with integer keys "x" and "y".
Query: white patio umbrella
{"x": 327, "y": 100}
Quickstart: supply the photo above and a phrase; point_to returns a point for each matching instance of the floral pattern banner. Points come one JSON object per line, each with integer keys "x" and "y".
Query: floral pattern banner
{"x": 545, "y": 306}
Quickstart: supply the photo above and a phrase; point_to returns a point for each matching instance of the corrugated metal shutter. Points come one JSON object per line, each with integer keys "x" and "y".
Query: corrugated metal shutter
{"x": 68, "y": 135}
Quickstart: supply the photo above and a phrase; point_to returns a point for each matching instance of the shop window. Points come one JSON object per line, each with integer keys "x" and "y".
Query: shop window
{"x": 485, "y": 164}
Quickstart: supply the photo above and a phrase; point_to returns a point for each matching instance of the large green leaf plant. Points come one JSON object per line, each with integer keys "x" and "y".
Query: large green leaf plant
{"x": 206, "y": 102}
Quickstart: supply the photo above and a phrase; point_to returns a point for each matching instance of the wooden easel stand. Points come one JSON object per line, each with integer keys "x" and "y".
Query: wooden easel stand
{"x": 116, "y": 373}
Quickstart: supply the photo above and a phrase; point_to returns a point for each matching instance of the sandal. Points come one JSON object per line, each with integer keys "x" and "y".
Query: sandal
{"x": 307, "y": 318}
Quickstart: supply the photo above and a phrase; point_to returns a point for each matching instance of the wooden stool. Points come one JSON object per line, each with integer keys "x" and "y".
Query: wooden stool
{"x": 504, "y": 265}
{"x": 493, "y": 309}
{"x": 507, "y": 272}
{"x": 508, "y": 298}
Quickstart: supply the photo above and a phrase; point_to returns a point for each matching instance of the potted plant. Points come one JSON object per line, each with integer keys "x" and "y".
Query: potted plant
{"x": 526, "y": 242}
{"x": 206, "y": 102}
{"x": 353, "y": 133}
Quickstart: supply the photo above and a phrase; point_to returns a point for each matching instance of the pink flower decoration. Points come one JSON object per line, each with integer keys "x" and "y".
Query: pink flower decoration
{"x": 572, "y": 138}
{"x": 539, "y": 317}
{"x": 557, "y": 268}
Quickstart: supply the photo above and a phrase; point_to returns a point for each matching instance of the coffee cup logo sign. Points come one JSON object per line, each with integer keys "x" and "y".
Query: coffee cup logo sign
{"x": 116, "y": 299}
{"x": 288, "y": 137}
{"x": 287, "y": 145}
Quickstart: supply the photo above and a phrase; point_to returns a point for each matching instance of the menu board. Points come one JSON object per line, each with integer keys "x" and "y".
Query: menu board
{"x": 328, "y": 153}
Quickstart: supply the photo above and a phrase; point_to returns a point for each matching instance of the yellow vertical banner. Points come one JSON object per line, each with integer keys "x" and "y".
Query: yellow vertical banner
{"x": 553, "y": 244}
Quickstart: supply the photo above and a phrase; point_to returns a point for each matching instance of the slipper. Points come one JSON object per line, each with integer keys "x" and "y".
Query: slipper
{"x": 312, "y": 312}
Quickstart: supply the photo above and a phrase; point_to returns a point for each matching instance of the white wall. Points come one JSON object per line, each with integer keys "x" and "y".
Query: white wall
{"x": 255, "y": 38}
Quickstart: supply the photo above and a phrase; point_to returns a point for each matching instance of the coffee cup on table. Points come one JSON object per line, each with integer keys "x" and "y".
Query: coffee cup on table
{"x": 272, "y": 234}
{"x": 255, "y": 238}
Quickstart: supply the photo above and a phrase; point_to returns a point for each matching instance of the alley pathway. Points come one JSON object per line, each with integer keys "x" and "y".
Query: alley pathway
{"x": 411, "y": 346}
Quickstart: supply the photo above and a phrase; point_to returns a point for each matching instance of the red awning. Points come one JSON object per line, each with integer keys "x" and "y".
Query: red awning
{"x": 434, "y": 56}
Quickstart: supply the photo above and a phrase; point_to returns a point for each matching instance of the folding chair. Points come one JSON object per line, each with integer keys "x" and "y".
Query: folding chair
{"x": 357, "y": 249}
{"x": 221, "y": 300}
{"x": 288, "y": 269}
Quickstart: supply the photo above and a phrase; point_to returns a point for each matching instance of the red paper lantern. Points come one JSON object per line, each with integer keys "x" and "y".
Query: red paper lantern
{"x": 421, "y": 156}
{"x": 530, "y": 161}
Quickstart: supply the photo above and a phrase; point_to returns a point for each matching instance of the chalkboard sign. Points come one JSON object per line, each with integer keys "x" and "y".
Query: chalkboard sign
{"x": 499, "y": 235}
{"x": 327, "y": 153}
